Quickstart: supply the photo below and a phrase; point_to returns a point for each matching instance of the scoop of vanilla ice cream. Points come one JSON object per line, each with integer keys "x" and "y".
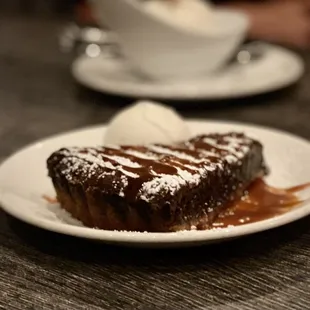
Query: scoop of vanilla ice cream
{"x": 192, "y": 15}
{"x": 145, "y": 123}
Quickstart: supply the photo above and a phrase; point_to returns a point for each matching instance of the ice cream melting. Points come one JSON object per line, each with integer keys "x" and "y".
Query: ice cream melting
{"x": 144, "y": 123}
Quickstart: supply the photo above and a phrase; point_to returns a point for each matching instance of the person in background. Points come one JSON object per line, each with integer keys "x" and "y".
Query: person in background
{"x": 284, "y": 22}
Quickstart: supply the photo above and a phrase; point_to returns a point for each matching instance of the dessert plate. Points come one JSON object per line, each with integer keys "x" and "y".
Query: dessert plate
{"x": 24, "y": 180}
{"x": 276, "y": 68}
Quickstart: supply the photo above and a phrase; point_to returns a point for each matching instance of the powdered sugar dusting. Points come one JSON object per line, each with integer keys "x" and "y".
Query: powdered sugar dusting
{"x": 83, "y": 163}
{"x": 230, "y": 159}
{"x": 165, "y": 183}
{"x": 188, "y": 177}
{"x": 90, "y": 161}
{"x": 233, "y": 146}
{"x": 194, "y": 168}
{"x": 209, "y": 153}
{"x": 141, "y": 155}
{"x": 178, "y": 154}
{"x": 128, "y": 173}
{"x": 124, "y": 184}
{"x": 122, "y": 161}
{"x": 168, "y": 183}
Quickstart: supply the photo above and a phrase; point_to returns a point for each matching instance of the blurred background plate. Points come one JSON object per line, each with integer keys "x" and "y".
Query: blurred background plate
{"x": 277, "y": 68}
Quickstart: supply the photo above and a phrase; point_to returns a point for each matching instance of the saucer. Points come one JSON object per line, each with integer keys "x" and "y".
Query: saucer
{"x": 277, "y": 68}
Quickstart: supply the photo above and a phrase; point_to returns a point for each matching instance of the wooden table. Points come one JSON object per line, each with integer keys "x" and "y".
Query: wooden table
{"x": 42, "y": 270}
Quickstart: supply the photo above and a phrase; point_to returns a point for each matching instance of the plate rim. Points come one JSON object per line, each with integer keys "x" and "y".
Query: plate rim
{"x": 300, "y": 70}
{"x": 153, "y": 239}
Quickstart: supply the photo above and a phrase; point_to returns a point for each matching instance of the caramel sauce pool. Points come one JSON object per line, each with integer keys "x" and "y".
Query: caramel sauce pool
{"x": 260, "y": 202}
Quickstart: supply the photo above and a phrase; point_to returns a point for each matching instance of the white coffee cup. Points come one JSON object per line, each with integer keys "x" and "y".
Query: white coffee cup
{"x": 162, "y": 51}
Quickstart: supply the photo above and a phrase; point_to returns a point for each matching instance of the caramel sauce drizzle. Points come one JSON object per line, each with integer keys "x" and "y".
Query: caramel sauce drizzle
{"x": 260, "y": 202}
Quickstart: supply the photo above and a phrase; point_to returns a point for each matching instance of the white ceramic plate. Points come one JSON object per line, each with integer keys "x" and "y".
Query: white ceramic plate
{"x": 278, "y": 68}
{"x": 23, "y": 181}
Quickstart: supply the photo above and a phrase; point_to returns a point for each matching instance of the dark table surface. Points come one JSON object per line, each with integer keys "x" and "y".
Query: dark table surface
{"x": 42, "y": 270}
